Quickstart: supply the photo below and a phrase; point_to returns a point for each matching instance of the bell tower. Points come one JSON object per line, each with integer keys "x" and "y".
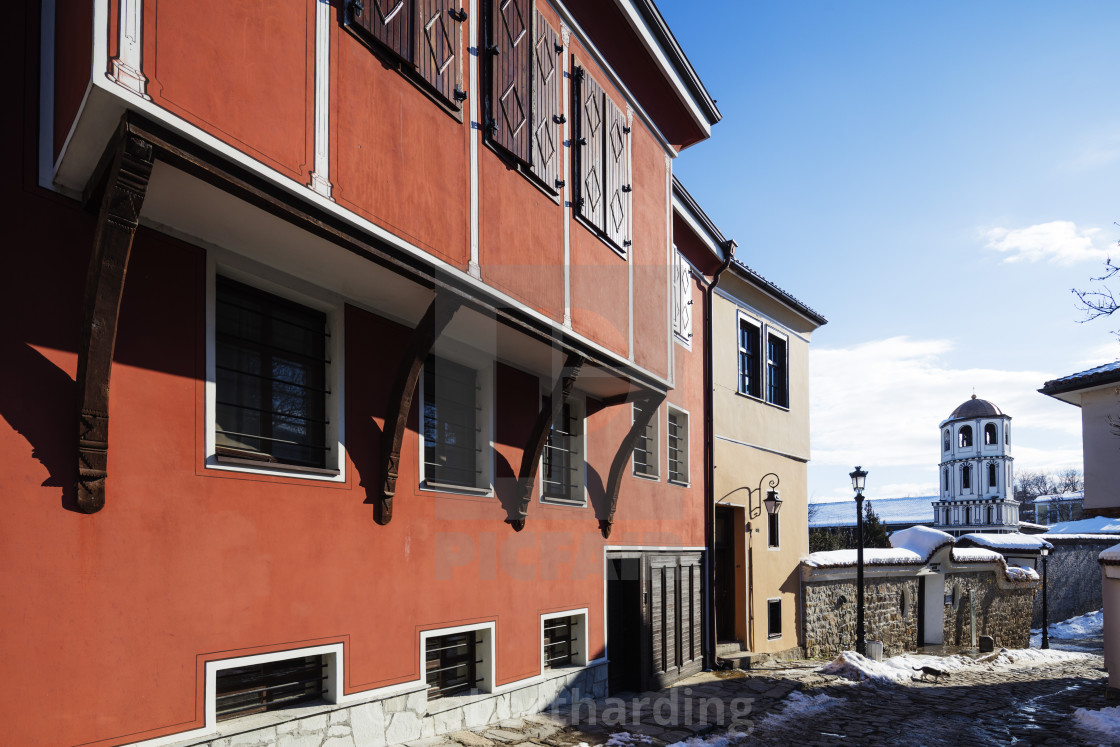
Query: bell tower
{"x": 975, "y": 471}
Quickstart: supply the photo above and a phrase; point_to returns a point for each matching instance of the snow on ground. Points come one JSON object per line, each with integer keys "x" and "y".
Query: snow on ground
{"x": 712, "y": 740}
{"x": 853, "y": 666}
{"x": 1089, "y": 625}
{"x": 1106, "y": 720}
{"x": 1094, "y": 525}
{"x": 796, "y": 705}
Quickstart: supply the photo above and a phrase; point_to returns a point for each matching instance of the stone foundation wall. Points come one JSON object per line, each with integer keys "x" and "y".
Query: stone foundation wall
{"x": 999, "y": 613}
{"x": 405, "y": 718}
{"x": 890, "y": 615}
{"x": 1074, "y": 586}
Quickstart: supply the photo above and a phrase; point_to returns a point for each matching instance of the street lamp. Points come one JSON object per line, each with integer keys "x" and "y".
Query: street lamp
{"x": 1044, "y": 552}
{"x": 859, "y": 479}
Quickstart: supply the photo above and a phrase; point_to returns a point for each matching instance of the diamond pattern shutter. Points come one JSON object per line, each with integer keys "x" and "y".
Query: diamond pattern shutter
{"x": 511, "y": 44}
{"x": 546, "y": 103}
{"x": 438, "y": 42}
{"x": 617, "y": 173}
{"x": 389, "y": 22}
{"x": 590, "y": 139}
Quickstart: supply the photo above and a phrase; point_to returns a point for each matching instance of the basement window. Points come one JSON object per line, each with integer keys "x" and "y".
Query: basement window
{"x": 457, "y": 662}
{"x": 773, "y": 618}
{"x": 563, "y": 638}
{"x": 269, "y": 686}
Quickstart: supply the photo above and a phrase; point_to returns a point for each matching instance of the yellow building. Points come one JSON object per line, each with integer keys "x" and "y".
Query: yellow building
{"x": 760, "y": 348}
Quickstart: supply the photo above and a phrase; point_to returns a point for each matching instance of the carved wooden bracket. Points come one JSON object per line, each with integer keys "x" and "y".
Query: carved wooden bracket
{"x": 649, "y": 404}
{"x": 531, "y": 457}
{"x": 434, "y": 321}
{"x": 126, "y": 183}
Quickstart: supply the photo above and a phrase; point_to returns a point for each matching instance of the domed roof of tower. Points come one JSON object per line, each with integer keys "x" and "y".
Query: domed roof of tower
{"x": 975, "y": 408}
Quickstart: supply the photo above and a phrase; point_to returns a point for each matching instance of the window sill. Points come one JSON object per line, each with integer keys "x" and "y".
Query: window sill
{"x": 621, "y": 252}
{"x": 442, "y": 487}
{"x": 264, "y": 466}
{"x": 684, "y": 342}
{"x": 644, "y": 476}
{"x": 679, "y": 483}
{"x": 569, "y": 502}
{"x": 761, "y": 401}
{"x": 773, "y": 636}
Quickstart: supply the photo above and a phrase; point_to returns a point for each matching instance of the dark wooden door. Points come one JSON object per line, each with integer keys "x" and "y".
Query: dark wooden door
{"x": 673, "y": 588}
{"x": 724, "y": 560}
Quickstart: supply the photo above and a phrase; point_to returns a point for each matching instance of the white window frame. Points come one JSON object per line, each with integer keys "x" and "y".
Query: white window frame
{"x": 484, "y": 371}
{"x": 761, "y": 355}
{"x": 653, "y": 450}
{"x": 772, "y": 636}
{"x": 264, "y": 278}
{"x": 484, "y": 668}
{"x": 578, "y": 407}
{"x": 673, "y": 409}
{"x": 771, "y": 331}
{"x": 776, "y": 518}
{"x": 683, "y": 316}
{"x": 332, "y": 657}
{"x": 579, "y": 631}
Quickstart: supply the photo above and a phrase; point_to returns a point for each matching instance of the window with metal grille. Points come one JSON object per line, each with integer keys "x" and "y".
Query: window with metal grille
{"x": 750, "y": 370}
{"x": 256, "y": 688}
{"x": 562, "y": 458}
{"x": 271, "y": 378}
{"x": 777, "y": 372}
{"x": 678, "y": 446}
{"x": 452, "y": 430}
{"x": 773, "y": 618}
{"x": 559, "y": 641}
{"x": 645, "y": 451}
{"x": 450, "y": 664}
{"x": 772, "y": 534}
{"x": 682, "y": 299}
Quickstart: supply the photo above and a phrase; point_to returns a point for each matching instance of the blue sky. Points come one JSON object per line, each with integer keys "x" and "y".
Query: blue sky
{"x": 934, "y": 178}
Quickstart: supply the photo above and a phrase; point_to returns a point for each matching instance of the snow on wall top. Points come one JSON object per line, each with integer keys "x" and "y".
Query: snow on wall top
{"x": 1112, "y": 554}
{"x": 889, "y": 510}
{"x": 975, "y": 555}
{"x": 908, "y": 547}
{"x": 1013, "y": 541}
{"x": 1095, "y": 525}
{"x": 922, "y": 540}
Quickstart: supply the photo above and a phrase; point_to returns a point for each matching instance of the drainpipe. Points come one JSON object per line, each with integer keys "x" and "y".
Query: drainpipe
{"x": 710, "y": 463}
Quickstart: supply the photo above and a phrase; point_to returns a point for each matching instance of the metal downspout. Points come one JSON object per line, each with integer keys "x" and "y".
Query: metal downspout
{"x": 710, "y": 462}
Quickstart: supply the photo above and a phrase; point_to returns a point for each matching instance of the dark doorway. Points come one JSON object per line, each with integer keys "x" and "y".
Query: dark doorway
{"x": 921, "y": 611}
{"x": 624, "y": 624}
{"x": 724, "y": 559}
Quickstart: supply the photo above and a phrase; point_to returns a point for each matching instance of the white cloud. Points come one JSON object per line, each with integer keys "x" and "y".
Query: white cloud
{"x": 1059, "y": 242}
{"x": 879, "y": 404}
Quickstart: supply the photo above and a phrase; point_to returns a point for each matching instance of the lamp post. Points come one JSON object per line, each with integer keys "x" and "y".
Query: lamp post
{"x": 1044, "y": 552}
{"x": 859, "y": 479}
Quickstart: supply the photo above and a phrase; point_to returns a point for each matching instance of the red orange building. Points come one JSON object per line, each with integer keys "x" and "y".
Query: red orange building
{"x": 351, "y": 376}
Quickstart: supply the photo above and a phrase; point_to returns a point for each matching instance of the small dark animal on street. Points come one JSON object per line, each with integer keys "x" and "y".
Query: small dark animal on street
{"x": 934, "y": 672}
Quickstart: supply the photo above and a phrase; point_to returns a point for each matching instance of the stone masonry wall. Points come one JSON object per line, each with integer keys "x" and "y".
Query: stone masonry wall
{"x": 1074, "y": 585}
{"x": 1000, "y": 613}
{"x": 409, "y": 717}
{"x": 890, "y": 615}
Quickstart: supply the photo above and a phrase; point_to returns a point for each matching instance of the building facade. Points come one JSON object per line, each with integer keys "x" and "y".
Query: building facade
{"x": 977, "y": 479}
{"x": 344, "y": 368}
{"x": 760, "y": 395}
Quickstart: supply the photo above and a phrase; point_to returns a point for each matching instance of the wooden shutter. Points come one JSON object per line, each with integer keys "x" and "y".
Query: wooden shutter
{"x": 390, "y": 23}
{"x": 510, "y": 77}
{"x": 616, "y": 171}
{"x": 438, "y": 46}
{"x": 546, "y": 103}
{"x": 590, "y": 140}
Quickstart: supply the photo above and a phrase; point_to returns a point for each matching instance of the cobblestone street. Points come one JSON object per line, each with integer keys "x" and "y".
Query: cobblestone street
{"x": 1026, "y": 703}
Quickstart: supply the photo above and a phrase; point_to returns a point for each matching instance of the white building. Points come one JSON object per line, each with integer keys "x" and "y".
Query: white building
{"x": 976, "y": 471}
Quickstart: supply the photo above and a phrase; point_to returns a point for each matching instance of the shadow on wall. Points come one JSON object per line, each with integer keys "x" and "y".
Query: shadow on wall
{"x": 39, "y": 400}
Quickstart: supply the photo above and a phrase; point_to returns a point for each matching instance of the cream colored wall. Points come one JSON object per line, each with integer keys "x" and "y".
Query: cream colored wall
{"x": 748, "y": 433}
{"x": 1101, "y": 447}
{"x": 774, "y": 572}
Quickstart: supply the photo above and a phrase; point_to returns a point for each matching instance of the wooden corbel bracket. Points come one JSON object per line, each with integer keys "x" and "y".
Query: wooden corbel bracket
{"x": 432, "y": 324}
{"x": 649, "y": 404}
{"x": 125, "y": 186}
{"x": 531, "y": 457}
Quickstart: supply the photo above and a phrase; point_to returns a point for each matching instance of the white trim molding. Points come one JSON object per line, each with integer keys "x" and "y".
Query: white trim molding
{"x": 320, "y": 175}
{"x": 125, "y": 69}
